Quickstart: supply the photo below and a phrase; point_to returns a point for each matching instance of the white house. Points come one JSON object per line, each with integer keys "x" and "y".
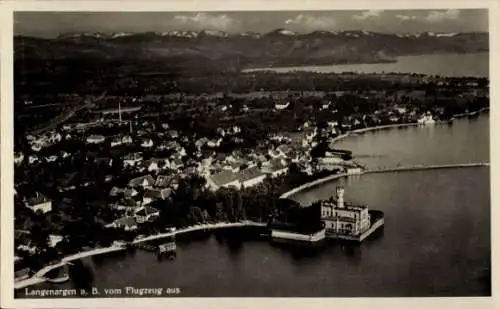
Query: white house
{"x": 401, "y": 110}
{"x": 155, "y": 194}
{"x": 131, "y": 160}
{"x": 18, "y": 157}
{"x": 117, "y": 141}
{"x": 147, "y": 143}
{"x": 64, "y": 154}
{"x": 354, "y": 171}
{"x": 126, "y": 223}
{"x": 221, "y": 132}
{"x": 32, "y": 159}
{"x": 51, "y": 158}
{"x": 55, "y": 138}
{"x": 236, "y": 130}
{"x": 155, "y": 165}
{"x": 54, "y": 240}
{"x": 36, "y": 147}
{"x": 214, "y": 143}
{"x": 128, "y": 204}
{"x": 146, "y": 213}
{"x": 39, "y": 203}
{"x": 233, "y": 167}
{"x": 426, "y": 119}
{"x": 327, "y": 105}
{"x": 95, "y": 139}
{"x": 281, "y": 106}
{"x": 143, "y": 181}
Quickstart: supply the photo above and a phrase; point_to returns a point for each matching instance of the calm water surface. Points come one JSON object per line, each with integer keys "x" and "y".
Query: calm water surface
{"x": 473, "y": 64}
{"x": 465, "y": 141}
{"x": 436, "y": 240}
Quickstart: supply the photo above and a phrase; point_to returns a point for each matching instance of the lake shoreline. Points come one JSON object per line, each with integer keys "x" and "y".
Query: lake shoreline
{"x": 398, "y": 125}
{"x": 404, "y": 64}
{"x": 39, "y": 276}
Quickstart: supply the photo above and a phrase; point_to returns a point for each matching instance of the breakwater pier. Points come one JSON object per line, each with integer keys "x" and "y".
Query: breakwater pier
{"x": 381, "y": 170}
{"x": 424, "y": 167}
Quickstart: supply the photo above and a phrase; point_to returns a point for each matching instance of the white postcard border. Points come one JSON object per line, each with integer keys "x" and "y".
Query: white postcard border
{"x": 6, "y": 142}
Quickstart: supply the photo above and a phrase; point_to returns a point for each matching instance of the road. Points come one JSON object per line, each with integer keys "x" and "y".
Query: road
{"x": 66, "y": 116}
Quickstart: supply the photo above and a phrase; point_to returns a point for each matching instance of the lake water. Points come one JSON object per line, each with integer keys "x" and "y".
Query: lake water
{"x": 436, "y": 239}
{"x": 473, "y": 64}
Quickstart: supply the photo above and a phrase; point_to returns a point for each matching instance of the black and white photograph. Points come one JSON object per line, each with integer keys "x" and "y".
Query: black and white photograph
{"x": 326, "y": 153}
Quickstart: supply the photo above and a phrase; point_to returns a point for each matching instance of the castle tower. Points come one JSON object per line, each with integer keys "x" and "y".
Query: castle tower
{"x": 340, "y": 197}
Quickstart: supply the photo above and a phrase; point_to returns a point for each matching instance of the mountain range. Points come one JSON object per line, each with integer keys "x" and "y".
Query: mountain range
{"x": 280, "y": 47}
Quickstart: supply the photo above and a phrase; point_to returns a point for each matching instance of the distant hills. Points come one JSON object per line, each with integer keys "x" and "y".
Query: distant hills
{"x": 280, "y": 47}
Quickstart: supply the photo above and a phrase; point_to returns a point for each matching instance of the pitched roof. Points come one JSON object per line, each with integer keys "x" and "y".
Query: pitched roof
{"x": 250, "y": 173}
{"x": 158, "y": 193}
{"x": 145, "y": 211}
{"x": 166, "y": 180}
{"x": 38, "y": 199}
{"x": 96, "y": 137}
{"x": 115, "y": 191}
{"x": 138, "y": 181}
{"x": 224, "y": 177}
{"x": 126, "y": 222}
{"x": 128, "y": 202}
{"x": 276, "y": 165}
{"x": 284, "y": 148}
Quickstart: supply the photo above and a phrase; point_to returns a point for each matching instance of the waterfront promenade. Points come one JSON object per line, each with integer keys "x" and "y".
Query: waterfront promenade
{"x": 39, "y": 276}
{"x": 398, "y": 125}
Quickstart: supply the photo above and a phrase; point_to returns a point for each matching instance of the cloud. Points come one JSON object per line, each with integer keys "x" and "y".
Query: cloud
{"x": 204, "y": 20}
{"x": 367, "y": 14}
{"x": 312, "y": 22}
{"x": 406, "y": 17}
{"x": 438, "y": 16}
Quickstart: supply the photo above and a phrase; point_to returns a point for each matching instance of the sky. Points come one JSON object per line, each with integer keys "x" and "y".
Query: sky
{"x": 51, "y": 24}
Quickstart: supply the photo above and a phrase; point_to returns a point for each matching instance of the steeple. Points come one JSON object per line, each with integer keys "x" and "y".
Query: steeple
{"x": 120, "y": 110}
{"x": 340, "y": 197}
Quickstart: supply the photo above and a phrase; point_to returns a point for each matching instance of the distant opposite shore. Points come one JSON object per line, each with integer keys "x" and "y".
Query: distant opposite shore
{"x": 446, "y": 64}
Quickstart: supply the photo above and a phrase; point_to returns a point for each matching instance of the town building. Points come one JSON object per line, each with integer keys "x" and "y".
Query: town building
{"x": 275, "y": 168}
{"x": 251, "y": 177}
{"x": 95, "y": 139}
{"x": 155, "y": 194}
{"x": 146, "y": 214}
{"x": 131, "y": 160}
{"x": 18, "y": 157}
{"x": 39, "y": 203}
{"x": 426, "y": 119}
{"x": 142, "y": 181}
{"x": 126, "y": 223}
{"x": 281, "y": 106}
{"x": 223, "y": 179}
{"x": 147, "y": 143}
